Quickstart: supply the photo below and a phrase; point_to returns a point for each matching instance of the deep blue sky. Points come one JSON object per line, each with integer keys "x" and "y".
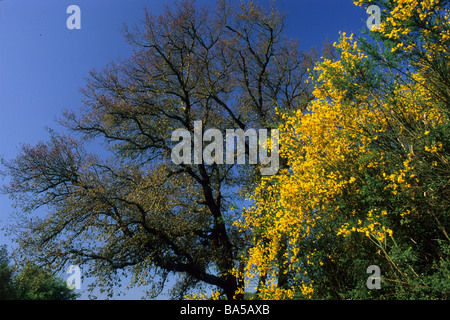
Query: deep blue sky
{"x": 43, "y": 64}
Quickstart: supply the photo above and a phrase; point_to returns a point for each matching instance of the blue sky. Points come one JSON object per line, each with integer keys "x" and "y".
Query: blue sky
{"x": 43, "y": 63}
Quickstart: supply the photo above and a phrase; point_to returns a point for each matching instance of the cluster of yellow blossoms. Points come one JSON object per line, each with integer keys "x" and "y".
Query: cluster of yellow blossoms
{"x": 395, "y": 27}
{"x": 203, "y": 296}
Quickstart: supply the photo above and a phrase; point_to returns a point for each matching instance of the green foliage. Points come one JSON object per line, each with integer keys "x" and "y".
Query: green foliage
{"x": 6, "y": 284}
{"x": 31, "y": 283}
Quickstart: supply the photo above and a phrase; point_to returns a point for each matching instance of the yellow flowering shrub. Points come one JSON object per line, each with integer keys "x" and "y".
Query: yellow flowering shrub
{"x": 353, "y": 155}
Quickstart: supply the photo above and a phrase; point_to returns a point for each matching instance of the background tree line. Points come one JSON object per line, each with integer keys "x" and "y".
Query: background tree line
{"x": 30, "y": 282}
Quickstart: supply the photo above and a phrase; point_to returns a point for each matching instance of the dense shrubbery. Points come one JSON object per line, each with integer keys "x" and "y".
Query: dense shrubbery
{"x": 369, "y": 169}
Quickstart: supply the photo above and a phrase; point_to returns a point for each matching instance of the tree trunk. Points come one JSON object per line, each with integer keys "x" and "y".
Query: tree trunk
{"x": 282, "y": 270}
{"x": 231, "y": 287}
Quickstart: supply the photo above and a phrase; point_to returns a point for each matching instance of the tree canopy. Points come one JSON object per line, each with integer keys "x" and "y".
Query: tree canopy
{"x": 138, "y": 211}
